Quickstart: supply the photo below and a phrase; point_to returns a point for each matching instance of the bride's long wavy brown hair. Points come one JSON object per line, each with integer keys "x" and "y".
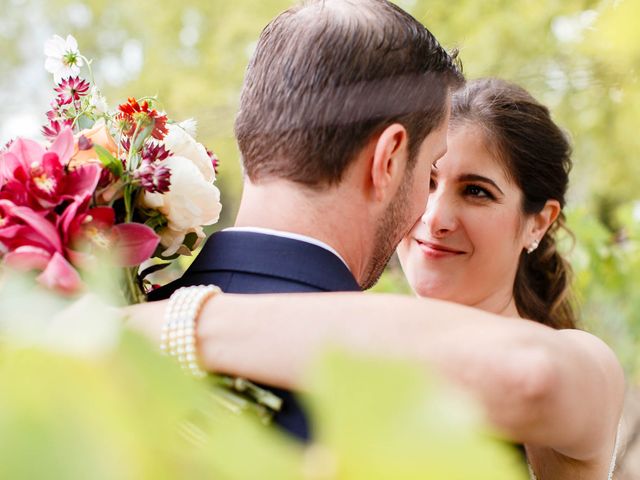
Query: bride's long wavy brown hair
{"x": 537, "y": 156}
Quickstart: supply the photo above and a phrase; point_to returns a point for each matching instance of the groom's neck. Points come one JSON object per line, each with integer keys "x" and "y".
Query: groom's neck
{"x": 331, "y": 215}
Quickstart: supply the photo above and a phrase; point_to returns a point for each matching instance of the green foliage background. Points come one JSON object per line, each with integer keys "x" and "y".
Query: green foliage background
{"x": 581, "y": 57}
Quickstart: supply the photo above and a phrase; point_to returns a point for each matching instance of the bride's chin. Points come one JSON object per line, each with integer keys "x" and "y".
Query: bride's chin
{"x": 437, "y": 291}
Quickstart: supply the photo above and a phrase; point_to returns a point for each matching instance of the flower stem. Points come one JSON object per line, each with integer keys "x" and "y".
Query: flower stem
{"x": 78, "y": 115}
{"x": 88, "y": 62}
{"x": 132, "y": 292}
{"x": 128, "y": 203}
{"x": 130, "y": 156}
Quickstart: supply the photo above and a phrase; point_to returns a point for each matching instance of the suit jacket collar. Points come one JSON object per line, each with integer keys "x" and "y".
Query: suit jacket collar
{"x": 275, "y": 256}
{"x": 285, "y": 234}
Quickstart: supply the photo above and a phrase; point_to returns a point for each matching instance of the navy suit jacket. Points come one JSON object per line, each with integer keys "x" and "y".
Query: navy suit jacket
{"x": 247, "y": 262}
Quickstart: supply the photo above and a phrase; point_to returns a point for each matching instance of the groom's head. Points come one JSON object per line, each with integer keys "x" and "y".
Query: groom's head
{"x": 348, "y": 90}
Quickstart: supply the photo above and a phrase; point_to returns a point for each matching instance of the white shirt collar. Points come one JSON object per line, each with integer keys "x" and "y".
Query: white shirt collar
{"x": 294, "y": 236}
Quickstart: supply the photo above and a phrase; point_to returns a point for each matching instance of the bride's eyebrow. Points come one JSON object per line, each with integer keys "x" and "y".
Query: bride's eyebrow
{"x": 473, "y": 177}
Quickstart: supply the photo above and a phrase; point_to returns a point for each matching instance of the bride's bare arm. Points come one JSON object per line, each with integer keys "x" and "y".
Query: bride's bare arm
{"x": 560, "y": 389}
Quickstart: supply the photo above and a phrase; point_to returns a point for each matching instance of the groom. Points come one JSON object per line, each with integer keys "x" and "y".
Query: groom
{"x": 344, "y": 110}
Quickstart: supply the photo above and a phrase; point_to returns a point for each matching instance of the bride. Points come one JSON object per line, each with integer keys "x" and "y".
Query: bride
{"x": 486, "y": 240}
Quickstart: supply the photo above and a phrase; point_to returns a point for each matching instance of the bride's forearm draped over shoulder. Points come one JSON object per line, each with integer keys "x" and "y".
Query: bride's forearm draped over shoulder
{"x": 541, "y": 386}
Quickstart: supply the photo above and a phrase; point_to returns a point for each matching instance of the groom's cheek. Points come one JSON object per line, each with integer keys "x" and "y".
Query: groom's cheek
{"x": 421, "y": 194}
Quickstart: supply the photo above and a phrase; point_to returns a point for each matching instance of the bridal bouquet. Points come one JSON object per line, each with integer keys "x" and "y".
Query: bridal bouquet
{"x": 128, "y": 182}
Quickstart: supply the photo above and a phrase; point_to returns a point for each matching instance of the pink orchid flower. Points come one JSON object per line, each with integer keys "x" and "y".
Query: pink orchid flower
{"x": 46, "y": 223}
{"x": 86, "y": 231}
{"x": 38, "y": 178}
{"x": 32, "y": 242}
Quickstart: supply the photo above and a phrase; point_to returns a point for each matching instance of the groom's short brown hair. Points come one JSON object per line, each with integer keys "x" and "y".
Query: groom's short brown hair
{"x": 329, "y": 74}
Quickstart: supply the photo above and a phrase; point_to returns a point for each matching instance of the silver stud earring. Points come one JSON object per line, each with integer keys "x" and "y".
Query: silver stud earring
{"x": 533, "y": 246}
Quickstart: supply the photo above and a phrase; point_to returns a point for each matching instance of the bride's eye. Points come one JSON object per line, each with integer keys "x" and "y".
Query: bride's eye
{"x": 477, "y": 191}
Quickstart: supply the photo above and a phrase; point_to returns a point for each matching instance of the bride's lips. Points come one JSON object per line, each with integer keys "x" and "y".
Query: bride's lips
{"x": 436, "y": 250}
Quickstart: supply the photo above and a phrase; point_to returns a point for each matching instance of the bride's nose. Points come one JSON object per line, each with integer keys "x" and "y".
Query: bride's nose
{"x": 440, "y": 216}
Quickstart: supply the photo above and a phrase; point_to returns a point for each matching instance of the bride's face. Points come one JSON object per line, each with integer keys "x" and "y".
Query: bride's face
{"x": 466, "y": 246}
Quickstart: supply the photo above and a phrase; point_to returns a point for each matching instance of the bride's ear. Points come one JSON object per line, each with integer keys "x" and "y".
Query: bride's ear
{"x": 389, "y": 161}
{"x": 542, "y": 220}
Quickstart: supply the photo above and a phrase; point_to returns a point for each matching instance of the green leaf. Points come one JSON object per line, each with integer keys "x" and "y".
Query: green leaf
{"x": 378, "y": 419}
{"x": 109, "y": 161}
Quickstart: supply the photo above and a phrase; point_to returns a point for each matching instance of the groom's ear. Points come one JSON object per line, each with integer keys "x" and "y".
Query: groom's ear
{"x": 389, "y": 161}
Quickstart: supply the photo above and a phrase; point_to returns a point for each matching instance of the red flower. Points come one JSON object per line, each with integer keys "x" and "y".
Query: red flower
{"x": 138, "y": 115}
{"x": 71, "y": 89}
{"x": 92, "y": 228}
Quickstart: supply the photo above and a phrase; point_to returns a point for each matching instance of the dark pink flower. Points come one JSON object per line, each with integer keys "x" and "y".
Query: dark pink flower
{"x": 31, "y": 242}
{"x": 95, "y": 230}
{"x": 125, "y": 143}
{"x": 55, "y": 127}
{"x": 135, "y": 243}
{"x": 154, "y": 177}
{"x": 60, "y": 275}
{"x": 91, "y": 228}
{"x": 71, "y": 89}
{"x": 106, "y": 179}
{"x": 154, "y": 151}
{"x": 22, "y": 226}
{"x": 17, "y": 192}
{"x": 215, "y": 161}
{"x": 46, "y": 179}
{"x": 38, "y": 178}
{"x": 84, "y": 143}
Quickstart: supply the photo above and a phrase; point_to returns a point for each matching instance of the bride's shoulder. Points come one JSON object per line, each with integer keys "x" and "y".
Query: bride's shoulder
{"x": 598, "y": 365}
{"x": 595, "y": 346}
{"x": 602, "y": 359}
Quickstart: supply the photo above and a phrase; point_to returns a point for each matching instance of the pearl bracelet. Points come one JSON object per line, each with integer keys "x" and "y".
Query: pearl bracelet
{"x": 178, "y": 339}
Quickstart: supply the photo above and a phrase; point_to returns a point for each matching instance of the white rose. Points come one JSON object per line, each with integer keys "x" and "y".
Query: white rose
{"x": 181, "y": 144}
{"x": 191, "y": 202}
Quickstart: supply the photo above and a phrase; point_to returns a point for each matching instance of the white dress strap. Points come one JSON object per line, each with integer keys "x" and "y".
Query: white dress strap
{"x": 612, "y": 465}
